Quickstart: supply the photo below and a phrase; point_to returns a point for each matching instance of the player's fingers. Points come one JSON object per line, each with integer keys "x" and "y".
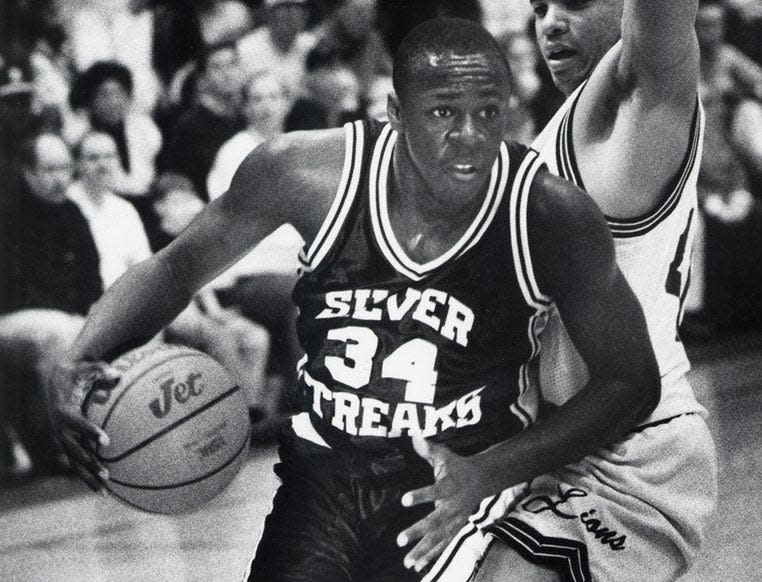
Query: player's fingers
{"x": 92, "y": 482}
{"x": 420, "y": 529}
{"x": 427, "y": 494}
{"x": 82, "y": 426}
{"x": 430, "y": 556}
{"x": 430, "y": 546}
{"x": 109, "y": 375}
{"x": 102, "y": 378}
{"x": 80, "y": 456}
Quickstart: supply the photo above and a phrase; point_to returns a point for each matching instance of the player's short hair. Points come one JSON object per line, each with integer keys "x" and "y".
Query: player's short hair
{"x": 442, "y": 35}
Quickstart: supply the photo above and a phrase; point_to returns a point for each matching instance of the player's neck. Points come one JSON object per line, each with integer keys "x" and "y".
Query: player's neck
{"x": 422, "y": 222}
{"x": 409, "y": 190}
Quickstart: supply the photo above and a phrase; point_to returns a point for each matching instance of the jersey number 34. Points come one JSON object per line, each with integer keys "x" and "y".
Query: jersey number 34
{"x": 414, "y": 362}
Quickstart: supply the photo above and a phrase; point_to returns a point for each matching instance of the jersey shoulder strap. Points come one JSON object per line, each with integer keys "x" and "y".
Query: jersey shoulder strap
{"x": 355, "y": 134}
{"x": 526, "y": 170}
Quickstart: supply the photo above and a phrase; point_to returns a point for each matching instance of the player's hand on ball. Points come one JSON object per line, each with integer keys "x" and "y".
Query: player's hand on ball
{"x": 460, "y": 486}
{"x": 68, "y": 384}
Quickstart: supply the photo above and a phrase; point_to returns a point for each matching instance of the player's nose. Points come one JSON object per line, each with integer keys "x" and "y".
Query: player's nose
{"x": 467, "y": 131}
{"x": 555, "y": 21}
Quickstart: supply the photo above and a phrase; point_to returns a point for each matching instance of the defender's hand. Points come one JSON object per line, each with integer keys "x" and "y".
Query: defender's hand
{"x": 68, "y": 383}
{"x": 460, "y": 486}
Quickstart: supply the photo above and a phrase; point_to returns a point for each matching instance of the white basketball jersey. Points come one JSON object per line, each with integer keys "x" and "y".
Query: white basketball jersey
{"x": 653, "y": 252}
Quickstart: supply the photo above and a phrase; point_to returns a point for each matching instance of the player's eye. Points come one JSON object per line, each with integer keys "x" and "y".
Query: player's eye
{"x": 489, "y": 112}
{"x": 441, "y": 112}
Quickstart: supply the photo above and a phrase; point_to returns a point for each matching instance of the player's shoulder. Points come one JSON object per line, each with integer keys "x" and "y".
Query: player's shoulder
{"x": 568, "y": 234}
{"x": 555, "y": 201}
{"x": 299, "y": 158}
{"x": 560, "y": 215}
{"x": 292, "y": 178}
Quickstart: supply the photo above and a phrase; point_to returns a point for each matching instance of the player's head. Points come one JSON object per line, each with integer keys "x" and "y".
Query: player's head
{"x": 574, "y": 35}
{"x": 450, "y": 103}
{"x": 97, "y": 161}
{"x": 47, "y": 167}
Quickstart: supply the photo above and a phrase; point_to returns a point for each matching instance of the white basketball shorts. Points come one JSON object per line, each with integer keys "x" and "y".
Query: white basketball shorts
{"x": 634, "y": 511}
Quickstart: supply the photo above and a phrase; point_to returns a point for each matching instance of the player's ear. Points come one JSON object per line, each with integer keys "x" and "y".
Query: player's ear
{"x": 393, "y": 111}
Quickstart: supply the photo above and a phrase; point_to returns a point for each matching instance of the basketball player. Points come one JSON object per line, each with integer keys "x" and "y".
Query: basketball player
{"x": 630, "y": 134}
{"x": 433, "y": 250}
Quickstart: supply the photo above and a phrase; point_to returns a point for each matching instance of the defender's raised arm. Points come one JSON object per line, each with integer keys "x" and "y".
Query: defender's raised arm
{"x": 659, "y": 46}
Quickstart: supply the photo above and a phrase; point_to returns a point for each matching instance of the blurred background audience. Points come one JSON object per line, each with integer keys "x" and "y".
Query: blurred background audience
{"x": 121, "y": 119}
{"x": 280, "y": 45}
{"x": 726, "y": 276}
{"x": 212, "y": 116}
{"x": 101, "y": 100}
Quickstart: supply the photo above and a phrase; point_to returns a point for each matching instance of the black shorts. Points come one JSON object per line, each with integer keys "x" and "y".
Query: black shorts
{"x": 336, "y": 516}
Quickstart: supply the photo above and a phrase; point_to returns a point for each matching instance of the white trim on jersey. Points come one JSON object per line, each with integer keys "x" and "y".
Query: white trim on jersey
{"x": 642, "y": 225}
{"x": 566, "y": 160}
{"x": 525, "y": 406}
{"x": 638, "y": 226}
{"x": 382, "y": 227}
{"x": 522, "y": 258}
{"x": 345, "y": 194}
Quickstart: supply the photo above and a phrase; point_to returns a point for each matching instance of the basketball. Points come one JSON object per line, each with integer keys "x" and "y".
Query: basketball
{"x": 178, "y": 428}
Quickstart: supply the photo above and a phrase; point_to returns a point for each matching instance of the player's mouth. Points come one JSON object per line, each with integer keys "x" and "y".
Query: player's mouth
{"x": 559, "y": 56}
{"x": 464, "y": 171}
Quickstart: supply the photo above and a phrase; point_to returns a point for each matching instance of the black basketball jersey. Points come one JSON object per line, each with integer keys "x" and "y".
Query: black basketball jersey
{"x": 394, "y": 347}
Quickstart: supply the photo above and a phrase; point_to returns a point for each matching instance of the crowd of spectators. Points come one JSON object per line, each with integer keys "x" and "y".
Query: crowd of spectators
{"x": 726, "y": 277}
{"x": 121, "y": 119}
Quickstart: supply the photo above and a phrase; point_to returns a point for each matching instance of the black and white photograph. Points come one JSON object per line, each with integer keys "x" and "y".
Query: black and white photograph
{"x": 380, "y": 290}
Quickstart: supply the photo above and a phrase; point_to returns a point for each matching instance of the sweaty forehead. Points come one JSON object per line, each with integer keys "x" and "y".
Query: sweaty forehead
{"x": 454, "y": 67}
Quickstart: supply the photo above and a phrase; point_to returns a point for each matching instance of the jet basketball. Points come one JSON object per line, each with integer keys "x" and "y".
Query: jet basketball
{"x": 178, "y": 428}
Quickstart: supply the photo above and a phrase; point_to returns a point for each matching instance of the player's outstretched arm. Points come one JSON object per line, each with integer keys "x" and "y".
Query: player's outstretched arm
{"x": 270, "y": 188}
{"x": 659, "y": 47}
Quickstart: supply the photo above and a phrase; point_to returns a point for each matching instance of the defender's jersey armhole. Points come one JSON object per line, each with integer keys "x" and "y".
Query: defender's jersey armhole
{"x": 345, "y": 194}
{"x": 522, "y": 259}
{"x": 641, "y": 225}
